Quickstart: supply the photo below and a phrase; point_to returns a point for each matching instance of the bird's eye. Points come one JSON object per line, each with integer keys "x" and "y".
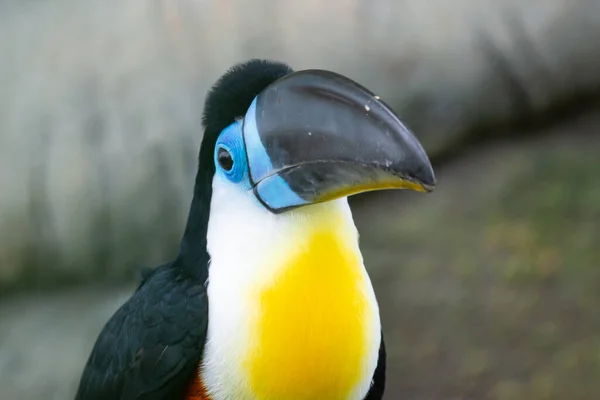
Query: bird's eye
{"x": 229, "y": 156}
{"x": 224, "y": 158}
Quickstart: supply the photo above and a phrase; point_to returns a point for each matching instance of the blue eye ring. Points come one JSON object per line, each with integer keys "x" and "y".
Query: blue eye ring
{"x": 230, "y": 154}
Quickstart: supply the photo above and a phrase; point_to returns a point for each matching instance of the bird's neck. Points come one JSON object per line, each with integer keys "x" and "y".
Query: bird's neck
{"x": 193, "y": 255}
{"x": 242, "y": 231}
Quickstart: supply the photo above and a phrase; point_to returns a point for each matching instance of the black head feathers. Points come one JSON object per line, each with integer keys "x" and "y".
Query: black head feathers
{"x": 232, "y": 94}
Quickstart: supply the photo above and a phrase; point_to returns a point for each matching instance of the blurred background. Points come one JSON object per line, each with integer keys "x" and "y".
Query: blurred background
{"x": 489, "y": 287}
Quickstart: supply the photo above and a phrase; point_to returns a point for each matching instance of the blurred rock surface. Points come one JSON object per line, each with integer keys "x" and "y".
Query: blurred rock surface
{"x": 100, "y": 101}
{"x": 488, "y": 288}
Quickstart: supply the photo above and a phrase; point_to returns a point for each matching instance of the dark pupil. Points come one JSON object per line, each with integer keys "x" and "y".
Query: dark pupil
{"x": 225, "y": 160}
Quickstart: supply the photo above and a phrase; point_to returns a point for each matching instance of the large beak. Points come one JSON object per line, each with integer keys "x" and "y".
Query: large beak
{"x": 314, "y": 136}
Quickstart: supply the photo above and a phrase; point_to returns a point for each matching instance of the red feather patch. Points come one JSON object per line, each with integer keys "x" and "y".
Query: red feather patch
{"x": 197, "y": 390}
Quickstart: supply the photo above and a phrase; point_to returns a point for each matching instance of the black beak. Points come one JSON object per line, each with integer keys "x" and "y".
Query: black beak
{"x": 313, "y": 136}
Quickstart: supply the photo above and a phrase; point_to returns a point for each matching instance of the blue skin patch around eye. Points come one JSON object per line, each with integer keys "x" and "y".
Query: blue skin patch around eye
{"x": 231, "y": 140}
{"x": 250, "y": 159}
{"x": 260, "y": 162}
{"x": 273, "y": 190}
{"x": 242, "y": 142}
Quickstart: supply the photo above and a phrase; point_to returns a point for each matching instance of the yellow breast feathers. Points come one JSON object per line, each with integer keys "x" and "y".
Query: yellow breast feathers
{"x": 317, "y": 326}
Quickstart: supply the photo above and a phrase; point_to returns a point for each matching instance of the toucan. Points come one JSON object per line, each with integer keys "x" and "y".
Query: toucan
{"x": 268, "y": 297}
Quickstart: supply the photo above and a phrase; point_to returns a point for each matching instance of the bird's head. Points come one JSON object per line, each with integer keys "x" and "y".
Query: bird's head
{"x": 277, "y": 141}
{"x": 300, "y": 138}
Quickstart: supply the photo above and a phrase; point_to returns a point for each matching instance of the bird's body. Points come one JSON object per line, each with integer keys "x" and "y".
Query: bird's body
{"x": 268, "y": 298}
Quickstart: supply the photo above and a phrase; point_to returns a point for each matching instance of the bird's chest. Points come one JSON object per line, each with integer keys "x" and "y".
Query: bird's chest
{"x": 309, "y": 331}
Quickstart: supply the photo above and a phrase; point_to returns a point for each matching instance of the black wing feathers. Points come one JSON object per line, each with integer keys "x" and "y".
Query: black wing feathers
{"x": 151, "y": 347}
